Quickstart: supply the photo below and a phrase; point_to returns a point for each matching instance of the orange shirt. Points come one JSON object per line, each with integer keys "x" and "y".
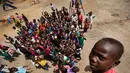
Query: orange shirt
{"x": 110, "y": 71}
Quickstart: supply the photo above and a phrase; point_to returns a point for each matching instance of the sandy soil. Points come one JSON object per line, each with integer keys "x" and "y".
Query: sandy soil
{"x": 112, "y": 20}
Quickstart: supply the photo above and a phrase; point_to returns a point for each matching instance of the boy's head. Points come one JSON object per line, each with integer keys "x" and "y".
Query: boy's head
{"x": 16, "y": 13}
{"x": 13, "y": 69}
{"x": 90, "y": 13}
{"x": 34, "y": 20}
{"x": 81, "y": 34}
{"x": 75, "y": 69}
{"x": 50, "y": 3}
{"x": 14, "y": 27}
{"x": 86, "y": 20}
{"x": 74, "y": 14}
{"x": 5, "y": 35}
{"x": 105, "y": 54}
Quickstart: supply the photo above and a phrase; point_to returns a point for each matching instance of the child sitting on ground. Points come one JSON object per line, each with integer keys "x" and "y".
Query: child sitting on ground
{"x": 20, "y": 69}
{"x": 9, "y": 51}
{"x": 19, "y": 17}
{"x": 6, "y": 21}
{"x": 39, "y": 61}
{"x": 6, "y": 56}
{"x": 4, "y": 69}
{"x": 3, "y": 21}
{"x": 60, "y": 68}
{"x": 105, "y": 55}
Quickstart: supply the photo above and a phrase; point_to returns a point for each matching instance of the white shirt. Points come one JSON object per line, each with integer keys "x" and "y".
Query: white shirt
{"x": 74, "y": 18}
{"x": 90, "y": 18}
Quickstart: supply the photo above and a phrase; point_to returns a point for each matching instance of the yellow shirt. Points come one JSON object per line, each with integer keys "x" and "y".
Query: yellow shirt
{"x": 42, "y": 62}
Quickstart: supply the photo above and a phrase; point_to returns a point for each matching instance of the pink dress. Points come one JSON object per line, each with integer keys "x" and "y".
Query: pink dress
{"x": 19, "y": 17}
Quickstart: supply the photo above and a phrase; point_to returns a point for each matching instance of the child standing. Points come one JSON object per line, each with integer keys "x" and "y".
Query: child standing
{"x": 90, "y": 17}
{"x": 41, "y": 62}
{"x": 52, "y": 7}
{"x": 86, "y": 25}
{"x": 81, "y": 40}
{"x": 105, "y": 55}
{"x": 25, "y": 19}
{"x": 80, "y": 19}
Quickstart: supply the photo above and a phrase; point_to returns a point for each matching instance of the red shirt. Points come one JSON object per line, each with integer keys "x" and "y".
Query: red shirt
{"x": 42, "y": 47}
{"x": 110, "y": 71}
{"x": 80, "y": 17}
{"x": 42, "y": 27}
{"x": 32, "y": 51}
{"x": 86, "y": 24}
{"x": 47, "y": 52}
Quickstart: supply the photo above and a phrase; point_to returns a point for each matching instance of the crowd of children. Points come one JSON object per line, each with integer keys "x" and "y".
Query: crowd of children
{"x": 54, "y": 36}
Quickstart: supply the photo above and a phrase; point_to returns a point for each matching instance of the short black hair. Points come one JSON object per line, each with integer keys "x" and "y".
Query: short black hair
{"x": 14, "y": 27}
{"x": 34, "y": 20}
{"x": 75, "y": 69}
{"x": 16, "y": 13}
{"x": 90, "y": 13}
{"x": 117, "y": 46}
{"x": 5, "y": 35}
{"x": 13, "y": 69}
{"x": 50, "y": 3}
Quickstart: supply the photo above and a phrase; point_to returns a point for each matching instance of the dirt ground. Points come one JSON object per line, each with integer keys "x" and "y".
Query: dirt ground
{"x": 112, "y": 20}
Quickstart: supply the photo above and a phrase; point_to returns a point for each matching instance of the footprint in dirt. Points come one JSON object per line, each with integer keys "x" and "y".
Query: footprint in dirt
{"x": 115, "y": 15}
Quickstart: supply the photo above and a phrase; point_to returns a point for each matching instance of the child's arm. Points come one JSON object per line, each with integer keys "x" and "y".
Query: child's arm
{"x": 1, "y": 57}
{"x": 71, "y": 55}
{"x": 1, "y": 20}
{"x": 60, "y": 65}
{"x": 25, "y": 66}
{"x": 7, "y": 42}
{"x": 93, "y": 16}
{"x": 85, "y": 38}
{"x": 87, "y": 14}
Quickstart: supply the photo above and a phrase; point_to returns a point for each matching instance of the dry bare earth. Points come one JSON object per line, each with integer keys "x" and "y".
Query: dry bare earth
{"x": 112, "y": 20}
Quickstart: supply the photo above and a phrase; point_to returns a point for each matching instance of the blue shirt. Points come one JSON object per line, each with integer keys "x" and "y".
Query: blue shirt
{"x": 21, "y": 70}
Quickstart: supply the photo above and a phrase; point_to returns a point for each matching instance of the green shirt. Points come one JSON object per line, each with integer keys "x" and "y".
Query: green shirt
{"x": 81, "y": 41}
{"x": 5, "y": 55}
{"x": 77, "y": 33}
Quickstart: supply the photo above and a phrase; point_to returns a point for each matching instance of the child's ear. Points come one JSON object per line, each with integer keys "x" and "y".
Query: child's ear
{"x": 116, "y": 63}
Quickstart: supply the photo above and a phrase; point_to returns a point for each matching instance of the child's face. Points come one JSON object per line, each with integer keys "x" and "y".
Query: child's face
{"x": 101, "y": 57}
